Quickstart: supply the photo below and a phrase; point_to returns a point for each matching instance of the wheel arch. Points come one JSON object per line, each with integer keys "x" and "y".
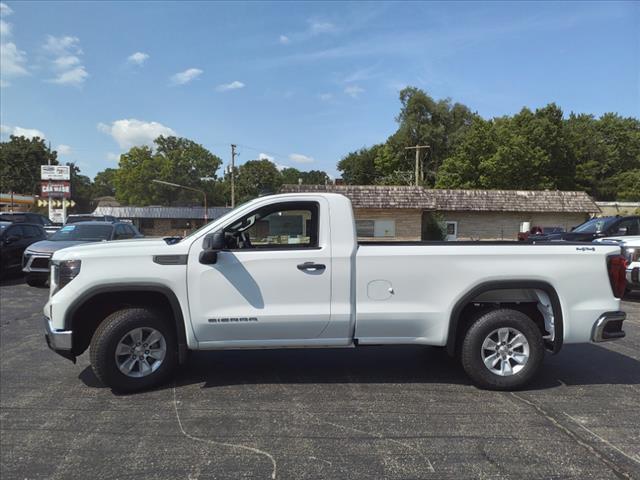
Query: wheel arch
{"x": 456, "y": 319}
{"x": 108, "y": 298}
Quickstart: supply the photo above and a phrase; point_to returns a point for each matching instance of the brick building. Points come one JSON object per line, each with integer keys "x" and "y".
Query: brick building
{"x": 400, "y": 212}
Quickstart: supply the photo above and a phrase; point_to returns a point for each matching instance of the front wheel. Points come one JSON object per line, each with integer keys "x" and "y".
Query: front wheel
{"x": 502, "y": 350}
{"x": 133, "y": 349}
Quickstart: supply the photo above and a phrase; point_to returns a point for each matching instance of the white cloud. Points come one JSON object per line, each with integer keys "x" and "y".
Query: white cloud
{"x": 235, "y": 85}
{"x": 66, "y": 62}
{"x": 13, "y": 61}
{"x": 7, "y": 130}
{"x": 5, "y": 29}
{"x": 264, "y": 156}
{"x": 131, "y": 132}
{"x": 61, "y": 46}
{"x": 317, "y": 27}
{"x": 113, "y": 157}
{"x": 64, "y": 149}
{"x": 187, "y": 76}
{"x": 326, "y": 97}
{"x": 353, "y": 91}
{"x": 5, "y": 10}
{"x": 284, "y": 40}
{"x": 299, "y": 158}
{"x": 138, "y": 58}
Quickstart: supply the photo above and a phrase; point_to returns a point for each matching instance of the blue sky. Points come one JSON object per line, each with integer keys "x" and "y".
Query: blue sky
{"x": 302, "y": 83}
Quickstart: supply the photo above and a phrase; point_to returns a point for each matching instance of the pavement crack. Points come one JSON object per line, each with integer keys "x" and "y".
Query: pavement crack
{"x": 222, "y": 444}
{"x": 382, "y": 437}
{"x": 596, "y": 452}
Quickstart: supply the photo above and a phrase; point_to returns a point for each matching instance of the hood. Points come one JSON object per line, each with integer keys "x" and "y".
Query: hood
{"x": 122, "y": 248}
{"x": 48, "y": 246}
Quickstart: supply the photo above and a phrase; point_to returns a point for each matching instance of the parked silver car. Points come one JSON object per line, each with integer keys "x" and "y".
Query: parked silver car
{"x": 36, "y": 258}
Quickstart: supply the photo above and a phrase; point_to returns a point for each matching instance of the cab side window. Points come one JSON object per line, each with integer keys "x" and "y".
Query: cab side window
{"x": 287, "y": 225}
{"x": 121, "y": 233}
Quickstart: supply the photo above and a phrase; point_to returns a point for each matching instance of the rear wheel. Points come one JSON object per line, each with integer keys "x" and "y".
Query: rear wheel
{"x": 502, "y": 350}
{"x": 134, "y": 349}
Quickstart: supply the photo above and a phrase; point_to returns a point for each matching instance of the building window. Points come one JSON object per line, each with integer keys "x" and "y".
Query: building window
{"x": 376, "y": 228}
{"x": 181, "y": 223}
{"x": 452, "y": 230}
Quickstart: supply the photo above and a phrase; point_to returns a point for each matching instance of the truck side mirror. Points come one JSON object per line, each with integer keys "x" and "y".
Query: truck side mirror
{"x": 212, "y": 244}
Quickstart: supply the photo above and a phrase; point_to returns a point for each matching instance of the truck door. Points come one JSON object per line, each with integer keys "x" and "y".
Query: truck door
{"x": 273, "y": 282}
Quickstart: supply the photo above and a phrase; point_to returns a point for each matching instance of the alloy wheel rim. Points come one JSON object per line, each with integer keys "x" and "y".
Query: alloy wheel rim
{"x": 505, "y": 351}
{"x": 140, "y": 352}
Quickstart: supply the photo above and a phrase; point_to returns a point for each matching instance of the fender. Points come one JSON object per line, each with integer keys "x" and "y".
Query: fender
{"x": 506, "y": 285}
{"x": 136, "y": 287}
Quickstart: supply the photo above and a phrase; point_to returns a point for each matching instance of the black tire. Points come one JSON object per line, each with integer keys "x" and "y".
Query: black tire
{"x": 471, "y": 355}
{"x": 34, "y": 280}
{"x": 112, "y": 330}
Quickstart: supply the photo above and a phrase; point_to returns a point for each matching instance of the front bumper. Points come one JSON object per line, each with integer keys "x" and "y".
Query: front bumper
{"x": 633, "y": 277}
{"x": 36, "y": 263}
{"x": 608, "y": 327}
{"x": 60, "y": 341}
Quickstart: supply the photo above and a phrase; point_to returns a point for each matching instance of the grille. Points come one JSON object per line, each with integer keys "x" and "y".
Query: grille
{"x": 40, "y": 263}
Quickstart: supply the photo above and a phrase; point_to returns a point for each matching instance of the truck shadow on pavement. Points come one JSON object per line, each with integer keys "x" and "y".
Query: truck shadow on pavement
{"x": 574, "y": 365}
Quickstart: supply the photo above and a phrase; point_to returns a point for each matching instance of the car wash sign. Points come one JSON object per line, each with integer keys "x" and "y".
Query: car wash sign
{"x": 55, "y": 172}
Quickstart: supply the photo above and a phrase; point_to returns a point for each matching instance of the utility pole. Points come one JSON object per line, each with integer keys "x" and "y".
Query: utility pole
{"x": 49, "y": 184}
{"x": 233, "y": 186}
{"x": 419, "y": 168}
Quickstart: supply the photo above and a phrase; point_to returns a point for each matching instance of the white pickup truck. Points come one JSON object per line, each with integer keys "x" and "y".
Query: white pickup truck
{"x": 287, "y": 271}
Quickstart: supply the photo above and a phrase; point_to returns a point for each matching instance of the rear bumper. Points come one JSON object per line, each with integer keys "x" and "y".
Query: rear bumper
{"x": 608, "y": 327}
{"x": 60, "y": 341}
{"x": 633, "y": 277}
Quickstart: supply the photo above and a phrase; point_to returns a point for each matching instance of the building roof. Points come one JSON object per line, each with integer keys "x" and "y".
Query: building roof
{"x": 374, "y": 196}
{"x": 161, "y": 212}
{"x": 515, "y": 201}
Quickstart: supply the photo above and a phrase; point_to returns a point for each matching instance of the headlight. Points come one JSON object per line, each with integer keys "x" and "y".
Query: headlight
{"x": 63, "y": 272}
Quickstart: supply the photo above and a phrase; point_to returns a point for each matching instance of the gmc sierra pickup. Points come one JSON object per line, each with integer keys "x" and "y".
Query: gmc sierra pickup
{"x": 287, "y": 271}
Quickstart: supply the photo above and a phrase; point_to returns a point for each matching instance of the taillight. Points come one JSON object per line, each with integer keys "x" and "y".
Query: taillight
{"x": 617, "y": 266}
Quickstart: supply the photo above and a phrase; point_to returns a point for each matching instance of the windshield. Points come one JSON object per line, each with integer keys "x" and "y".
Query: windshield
{"x": 595, "y": 225}
{"x": 83, "y": 233}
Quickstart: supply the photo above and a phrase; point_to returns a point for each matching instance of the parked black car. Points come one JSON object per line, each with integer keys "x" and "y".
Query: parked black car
{"x": 601, "y": 227}
{"x": 36, "y": 258}
{"x": 29, "y": 217}
{"x": 14, "y": 239}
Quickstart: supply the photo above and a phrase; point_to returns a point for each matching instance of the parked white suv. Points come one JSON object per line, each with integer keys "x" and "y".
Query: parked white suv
{"x": 287, "y": 271}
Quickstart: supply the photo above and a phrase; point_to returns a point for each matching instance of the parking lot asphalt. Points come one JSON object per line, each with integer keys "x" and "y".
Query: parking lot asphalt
{"x": 374, "y": 412}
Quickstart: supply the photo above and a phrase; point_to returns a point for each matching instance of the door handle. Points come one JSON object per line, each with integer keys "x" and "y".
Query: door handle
{"x": 311, "y": 267}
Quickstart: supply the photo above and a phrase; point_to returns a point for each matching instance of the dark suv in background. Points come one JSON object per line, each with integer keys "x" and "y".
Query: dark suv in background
{"x": 14, "y": 239}
{"x": 30, "y": 217}
{"x": 601, "y": 227}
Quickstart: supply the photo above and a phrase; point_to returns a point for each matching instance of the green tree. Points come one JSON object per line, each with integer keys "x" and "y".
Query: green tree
{"x": 256, "y": 177}
{"x": 315, "y": 177}
{"x": 290, "y": 176}
{"x": 104, "y": 183}
{"x": 176, "y": 160}
{"x": 20, "y": 160}
{"x": 81, "y": 190}
{"x": 358, "y": 168}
